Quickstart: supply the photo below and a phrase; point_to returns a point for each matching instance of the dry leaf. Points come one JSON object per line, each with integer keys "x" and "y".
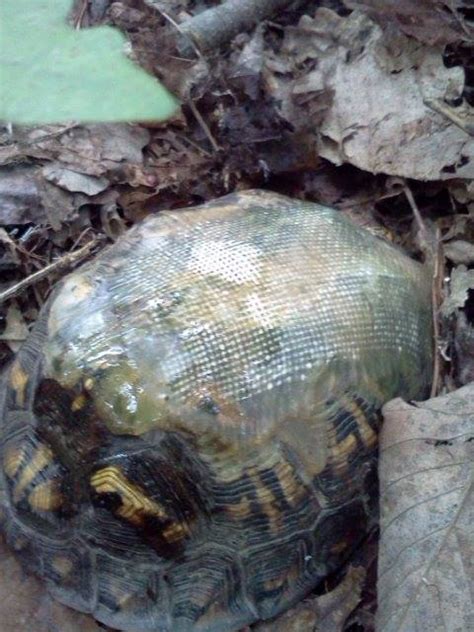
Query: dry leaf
{"x": 88, "y": 149}
{"x": 459, "y": 251}
{"x": 374, "y": 96}
{"x": 74, "y": 181}
{"x": 462, "y": 280}
{"x": 20, "y": 201}
{"x": 430, "y": 21}
{"x": 426, "y": 557}
{"x": 464, "y": 348}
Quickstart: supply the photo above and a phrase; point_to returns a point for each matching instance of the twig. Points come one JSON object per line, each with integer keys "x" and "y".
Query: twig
{"x": 204, "y": 126}
{"x": 218, "y": 25}
{"x": 416, "y": 213}
{"x": 71, "y": 257}
{"x": 195, "y": 145}
{"x": 80, "y": 17}
{"x": 438, "y": 275}
{"x": 431, "y": 245}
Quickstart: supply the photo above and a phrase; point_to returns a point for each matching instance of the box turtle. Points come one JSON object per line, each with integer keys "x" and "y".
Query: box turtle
{"x": 188, "y": 433}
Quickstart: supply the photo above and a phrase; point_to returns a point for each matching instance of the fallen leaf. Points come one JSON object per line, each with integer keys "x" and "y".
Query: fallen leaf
{"x": 429, "y": 21}
{"x": 459, "y": 251}
{"x": 462, "y": 280}
{"x": 89, "y": 149}
{"x": 376, "y": 98}
{"x": 464, "y": 347}
{"x": 74, "y": 181}
{"x": 425, "y": 571}
{"x": 20, "y": 201}
{"x": 96, "y": 149}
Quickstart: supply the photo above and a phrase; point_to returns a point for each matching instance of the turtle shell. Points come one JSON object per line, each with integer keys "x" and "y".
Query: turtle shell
{"x": 189, "y": 432}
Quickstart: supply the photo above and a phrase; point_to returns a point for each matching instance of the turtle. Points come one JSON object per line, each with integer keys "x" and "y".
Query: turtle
{"x": 189, "y": 433}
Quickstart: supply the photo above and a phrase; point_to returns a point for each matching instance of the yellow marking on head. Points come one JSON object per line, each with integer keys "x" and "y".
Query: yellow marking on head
{"x": 18, "y": 381}
{"x": 89, "y": 384}
{"x": 78, "y": 402}
{"x": 62, "y": 565}
{"x": 42, "y": 457}
{"x": 13, "y": 459}
{"x": 136, "y": 505}
{"x": 46, "y": 496}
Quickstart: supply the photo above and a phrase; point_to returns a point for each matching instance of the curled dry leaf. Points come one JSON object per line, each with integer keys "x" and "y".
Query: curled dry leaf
{"x": 425, "y": 572}
{"x": 89, "y": 149}
{"x": 429, "y": 21}
{"x": 377, "y": 98}
{"x": 74, "y": 181}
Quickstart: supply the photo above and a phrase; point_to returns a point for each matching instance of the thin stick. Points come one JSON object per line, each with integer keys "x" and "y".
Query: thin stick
{"x": 438, "y": 271}
{"x": 80, "y": 17}
{"x": 434, "y": 256}
{"x": 71, "y": 257}
{"x": 216, "y": 26}
{"x": 195, "y": 145}
{"x": 416, "y": 213}
{"x": 204, "y": 126}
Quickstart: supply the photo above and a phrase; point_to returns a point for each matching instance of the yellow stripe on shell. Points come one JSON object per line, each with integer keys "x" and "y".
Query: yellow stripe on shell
{"x": 293, "y": 492}
{"x": 136, "y": 505}
{"x": 46, "y": 496}
{"x": 18, "y": 381}
{"x": 13, "y": 459}
{"x": 341, "y": 450}
{"x": 42, "y": 457}
{"x": 367, "y": 434}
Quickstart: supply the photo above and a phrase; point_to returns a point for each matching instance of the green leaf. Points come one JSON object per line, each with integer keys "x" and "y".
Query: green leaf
{"x": 50, "y": 73}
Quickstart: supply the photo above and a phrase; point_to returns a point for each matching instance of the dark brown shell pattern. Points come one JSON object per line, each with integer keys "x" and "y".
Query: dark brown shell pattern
{"x": 188, "y": 434}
